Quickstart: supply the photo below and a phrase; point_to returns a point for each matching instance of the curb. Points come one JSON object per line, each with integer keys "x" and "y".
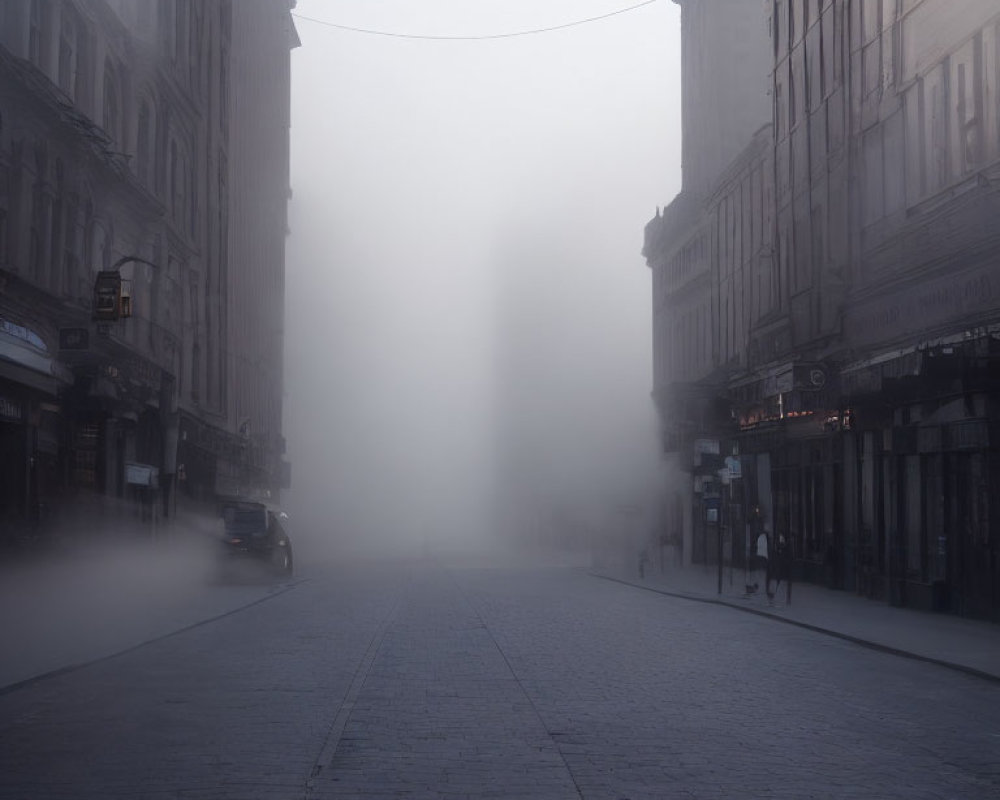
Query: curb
{"x": 868, "y": 643}
{"x": 65, "y": 670}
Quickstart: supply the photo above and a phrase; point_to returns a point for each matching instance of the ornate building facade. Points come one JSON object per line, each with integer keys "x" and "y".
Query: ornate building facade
{"x": 116, "y": 147}
{"x": 854, "y": 372}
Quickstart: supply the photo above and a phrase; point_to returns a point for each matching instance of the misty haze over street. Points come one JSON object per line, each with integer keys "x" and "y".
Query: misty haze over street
{"x": 499, "y": 399}
{"x": 468, "y": 327}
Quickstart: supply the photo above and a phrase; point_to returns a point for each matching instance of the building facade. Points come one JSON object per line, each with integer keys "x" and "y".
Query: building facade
{"x": 115, "y": 148}
{"x": 725, "y": 164}
{"x": 258, "y": 191}
{"x": 857, "y": 363}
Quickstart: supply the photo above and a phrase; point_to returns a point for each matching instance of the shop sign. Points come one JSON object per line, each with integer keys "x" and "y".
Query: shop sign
{"x": 136, "y": 370}
{"x": 24, "y": 334}
{"x": 10, "y": 410}
{"x": 74, "y": 338}
{"x": 709, "y": 446}
{"x": 935, "y": 302}
{"x": 810, "y": 377}
{"x": 141, "y": 475}
{"x": 778, "y": 382}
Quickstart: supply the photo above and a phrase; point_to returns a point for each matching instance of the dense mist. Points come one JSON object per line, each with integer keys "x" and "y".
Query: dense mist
{"x": 468, "y": 351}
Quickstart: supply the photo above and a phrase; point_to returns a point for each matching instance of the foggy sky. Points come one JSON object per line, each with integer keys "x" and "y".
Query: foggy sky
{"x": 468, "y": 315}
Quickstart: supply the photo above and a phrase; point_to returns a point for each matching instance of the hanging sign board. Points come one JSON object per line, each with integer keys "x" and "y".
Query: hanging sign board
{"x": 141, "y": 475}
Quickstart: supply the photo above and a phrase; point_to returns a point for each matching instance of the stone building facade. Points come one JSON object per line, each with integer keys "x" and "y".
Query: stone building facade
{"x": 726, "y": 155}
{"x": 862, "y": 406}
{"x": 260, "y": 73}
{"x": 115, "y": 142}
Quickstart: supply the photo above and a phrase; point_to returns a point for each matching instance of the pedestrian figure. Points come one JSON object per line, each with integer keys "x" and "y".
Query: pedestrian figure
{"x": 764, "y": 563}
{"x": 643, "y": 558}
{"x": 780, "y": 569}
{"x": 757, "y": 555}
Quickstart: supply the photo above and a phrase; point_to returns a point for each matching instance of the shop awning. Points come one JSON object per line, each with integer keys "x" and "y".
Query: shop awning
{"x": 24, "y": 364}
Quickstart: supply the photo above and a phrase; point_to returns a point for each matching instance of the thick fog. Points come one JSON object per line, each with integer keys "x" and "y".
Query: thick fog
{"x": 468, "y": 346}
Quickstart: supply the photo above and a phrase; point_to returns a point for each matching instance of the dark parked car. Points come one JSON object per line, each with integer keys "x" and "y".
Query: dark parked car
{"x": 254, "y": 533}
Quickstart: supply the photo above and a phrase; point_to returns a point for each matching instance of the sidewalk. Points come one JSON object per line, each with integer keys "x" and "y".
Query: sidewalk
{"x": 971, "y": 646}
{"x": 77, "y": 603}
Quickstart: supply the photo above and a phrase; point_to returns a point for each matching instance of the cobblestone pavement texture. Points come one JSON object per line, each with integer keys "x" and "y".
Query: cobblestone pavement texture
{"x": 412, "y": 680}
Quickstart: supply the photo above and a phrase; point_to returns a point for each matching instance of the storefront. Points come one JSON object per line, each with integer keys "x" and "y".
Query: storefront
{"x": 30, "y": 429}
{"x": 791, "y": 441}
{"x": 928, "y": 467}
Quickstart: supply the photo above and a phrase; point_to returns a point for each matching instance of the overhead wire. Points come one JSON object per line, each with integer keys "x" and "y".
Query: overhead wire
{"x": 531, "y": 32}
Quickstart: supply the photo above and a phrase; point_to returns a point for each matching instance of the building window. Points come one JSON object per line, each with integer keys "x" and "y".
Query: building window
{"x": 144, "y": 144}
{"x": 172, "y": 170}
{"x": 57, "y": 230}
{"x": 168, "y": 26}
{"x": 966, "y": 88}
{"x": 4, "y": 204}
{"x": 197, "y": 23}
{"x": 792, "y": 110}
{"x": 224, "y": 88}
{"x": 191, "y": 198}
{"x": 34, "y": 252}
{"x": 35, "y": 33}
{"x": 112, "y": 106}
{"x": 195, "y": 370}
{"x": 181, "y": 32}
{"x": 178, "y": 185}
{"x": 70, "y": 275}
{"x": 98, "y": 250}
{"x": 68, "y": 52}
{"x": 179, "y": 182}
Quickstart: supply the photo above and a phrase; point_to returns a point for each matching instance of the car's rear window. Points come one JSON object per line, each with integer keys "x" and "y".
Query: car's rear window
{"x": 240, "y": 520}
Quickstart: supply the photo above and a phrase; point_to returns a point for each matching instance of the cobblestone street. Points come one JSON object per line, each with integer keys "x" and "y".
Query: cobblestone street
{"x": 418, "y": 680}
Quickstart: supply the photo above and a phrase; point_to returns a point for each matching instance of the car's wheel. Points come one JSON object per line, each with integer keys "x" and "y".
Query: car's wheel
{"x": 283, "y": 559}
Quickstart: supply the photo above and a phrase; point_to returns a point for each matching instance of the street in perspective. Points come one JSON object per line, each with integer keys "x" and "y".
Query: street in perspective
{"x": 487, "y": 678}
{"x": 511, "y": 399}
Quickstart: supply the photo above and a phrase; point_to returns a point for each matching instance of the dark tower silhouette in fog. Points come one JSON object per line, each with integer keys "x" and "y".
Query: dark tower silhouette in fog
{"x": 725, "y": 67}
